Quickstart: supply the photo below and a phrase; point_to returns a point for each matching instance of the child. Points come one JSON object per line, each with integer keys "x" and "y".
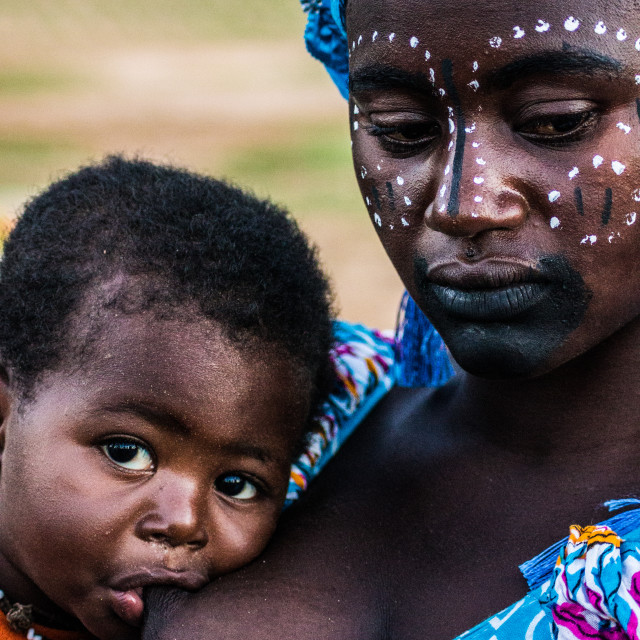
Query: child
{"x": 165, "y": 340}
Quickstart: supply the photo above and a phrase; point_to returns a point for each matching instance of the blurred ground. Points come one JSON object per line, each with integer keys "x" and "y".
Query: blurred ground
{"x": 221, "y": 87}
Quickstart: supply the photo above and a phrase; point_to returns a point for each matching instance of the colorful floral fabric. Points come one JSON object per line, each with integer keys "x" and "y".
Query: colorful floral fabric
{"x": 363, "y": 361}
{"x": 593, "y": 591}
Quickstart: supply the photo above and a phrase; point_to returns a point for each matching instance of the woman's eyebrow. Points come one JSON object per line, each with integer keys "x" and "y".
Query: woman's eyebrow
{"x": 384, "y": 77}
{"x": 575, "y": 61}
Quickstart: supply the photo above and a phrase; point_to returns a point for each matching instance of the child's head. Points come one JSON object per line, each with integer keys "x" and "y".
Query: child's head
{"x": 164, "y": 337}
{"x": 496, "y": 147}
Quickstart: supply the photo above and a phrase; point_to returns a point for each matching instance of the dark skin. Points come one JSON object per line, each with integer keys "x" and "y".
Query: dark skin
{"x": 417, "y": 527}
{"x": 163, "y": 460}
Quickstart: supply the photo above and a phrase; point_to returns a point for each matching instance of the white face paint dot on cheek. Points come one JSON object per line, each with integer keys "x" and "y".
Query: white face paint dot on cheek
{"x": 427, "y": 55}
{"x": 573, "y": 173}
{"x": 597, "y": 161}
{"x": 600, "y": 28}
{"x": 495, "y": 42}
{"x": 447, "y": 169}
{"x": 481, "y": 162}
{"x": 404, "y": 222}
{"x": 363, "y": 172}
{"x": 621, "y": 35}
{"x": 623, "y": 127}
{"x": 554, "y": 223}
{"x": 478, "y": 199}
{"x": 518, "y": 33}
{"x": 391, "y": 37}
{"x": 553, "y": 196}
{"x": 356, "y": 111}
{"x": 443, "y": 190}
{"x": 367, "y": 201}
{"x": 618, "y": 167}
{"x": 407, "y": 201}
{"x": 638, "y": 44}
{"x": 590, "y": 239}
{"x": 638, "y": 79}
{"x": 400, "y": 180}
{"x": 475, "y": 145}
{"x": 630, "y": 218}
{"x": 542, "y": 26}
{"x": 414, "y": 42}
{"x": 474, "y": 84}
{"x": 450, "y": 145}
{"x": 374, "y": 36}
{"x": 377, "y": 219}
{"x": 571, "y": 23}
{"x": 355, "y": 125}
{"x": 478, "y": 180}
{"x": 359, "y": 40}
{"x": 452, "y": 126}
{"x": 635, "y": 194}
{"x": 474, "y": 66}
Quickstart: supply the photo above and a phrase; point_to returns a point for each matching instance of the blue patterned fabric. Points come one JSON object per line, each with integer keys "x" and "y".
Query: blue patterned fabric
{"x": 326, "y": 40}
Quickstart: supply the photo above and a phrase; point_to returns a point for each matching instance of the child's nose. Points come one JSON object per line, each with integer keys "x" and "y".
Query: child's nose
{"x": 177, "y": 515}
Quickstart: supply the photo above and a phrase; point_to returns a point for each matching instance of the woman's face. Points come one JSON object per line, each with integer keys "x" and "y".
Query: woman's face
{"x": 496, "y": 149}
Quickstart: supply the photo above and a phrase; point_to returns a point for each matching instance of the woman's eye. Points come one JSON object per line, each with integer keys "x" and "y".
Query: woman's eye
{"x": 129, "y": 454}
{"x": 405, "y": 137}
{"x": 565, "y": 127}
{"x": 235, "y": 486}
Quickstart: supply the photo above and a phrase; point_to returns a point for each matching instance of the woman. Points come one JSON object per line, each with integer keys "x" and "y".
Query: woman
{"x": 497, "y": 150}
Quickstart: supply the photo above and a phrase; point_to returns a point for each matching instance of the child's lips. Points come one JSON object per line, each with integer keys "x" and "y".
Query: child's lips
{"x": 129, "y": 606}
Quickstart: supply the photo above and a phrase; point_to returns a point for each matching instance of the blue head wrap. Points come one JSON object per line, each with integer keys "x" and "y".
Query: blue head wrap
{"x": 423, "y": 359}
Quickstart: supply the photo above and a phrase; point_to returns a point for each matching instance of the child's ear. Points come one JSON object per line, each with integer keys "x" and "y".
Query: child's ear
{"x": 6, "y": 400}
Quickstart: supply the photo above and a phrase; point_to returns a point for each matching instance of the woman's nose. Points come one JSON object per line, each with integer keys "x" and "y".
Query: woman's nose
{"x": 177, "y": 514}
{"x": 476, "y": 197}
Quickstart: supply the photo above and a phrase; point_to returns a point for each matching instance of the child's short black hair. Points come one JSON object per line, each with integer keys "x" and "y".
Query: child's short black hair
{"x": 192, "y": 239}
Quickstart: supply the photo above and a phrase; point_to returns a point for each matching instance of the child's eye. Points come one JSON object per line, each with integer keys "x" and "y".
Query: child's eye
{"x": 235, "y": 486}
{"x": 129, "y": 454}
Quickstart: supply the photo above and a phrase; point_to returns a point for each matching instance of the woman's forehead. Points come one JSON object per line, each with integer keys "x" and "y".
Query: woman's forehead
{"x": 458, "y": 20}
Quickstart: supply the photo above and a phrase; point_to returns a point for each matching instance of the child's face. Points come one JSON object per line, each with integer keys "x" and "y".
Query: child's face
{"x": 164, "y": 461}
{"x": 496, "y": 146}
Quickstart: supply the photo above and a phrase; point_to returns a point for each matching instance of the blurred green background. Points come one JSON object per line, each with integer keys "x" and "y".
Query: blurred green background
{"x": 219, "y": 86}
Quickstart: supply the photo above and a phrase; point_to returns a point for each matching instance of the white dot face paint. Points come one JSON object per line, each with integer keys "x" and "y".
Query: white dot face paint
{"x": 442, "y": 208}
{"x": 474, "y": 84}
{"x": 374, "y": 36}
{"x": 554, "y": 223}
{"x": 353, "y": 45}
{"x": 475, "y": 145}
{"x": 589, "y": 239}
{"x": 447, "y": 169}
{"x": 542, "y": 26}
{"x": 442, "y": 92}
{"x": 450, "y": 145}
{"x": 400, "y": 180}
{"x": 443, "y": 190}
{"x": 571, "y": 24}
{"x": 407, "y": 201}
{"x": 481, "y": 162}
{"x": 378, "y": 167}
{"x": 597, "y": 161}
{"x": 573, "y": 173}
{"x": 600, "y": 28}
{"x": 367, "y": 201}
{"x": 478, "y": 180}
{"x": 432, "y": 76}
{"x": 621, "y": 35}
{"x": 630, "y": 218}
{"x": 618, "y": 167}
{"x": 404, "y": 222}
{"x": 359, "y": 40}
{"x": 356, "y": 111}
{"x": 474, "y": 66}
{"x": 495, "y": 42}
{"x": 638, "y": 44}
{"x": 377, "y": 219}
{"x": 623, "y": 127}
{"x": 635, "y": 194}
{"x": 518, "y": 33}
{"x": 391, "y": 37}
{"x": 470, "y": 129}
{"x": 553, "y": 196}
{"x": 355, "y": 125}
{"x": 478, "y": 198}
{"x": 427, "y": 55}
{"x": 414, "y": 42}
{"x": 363, "y": 172}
